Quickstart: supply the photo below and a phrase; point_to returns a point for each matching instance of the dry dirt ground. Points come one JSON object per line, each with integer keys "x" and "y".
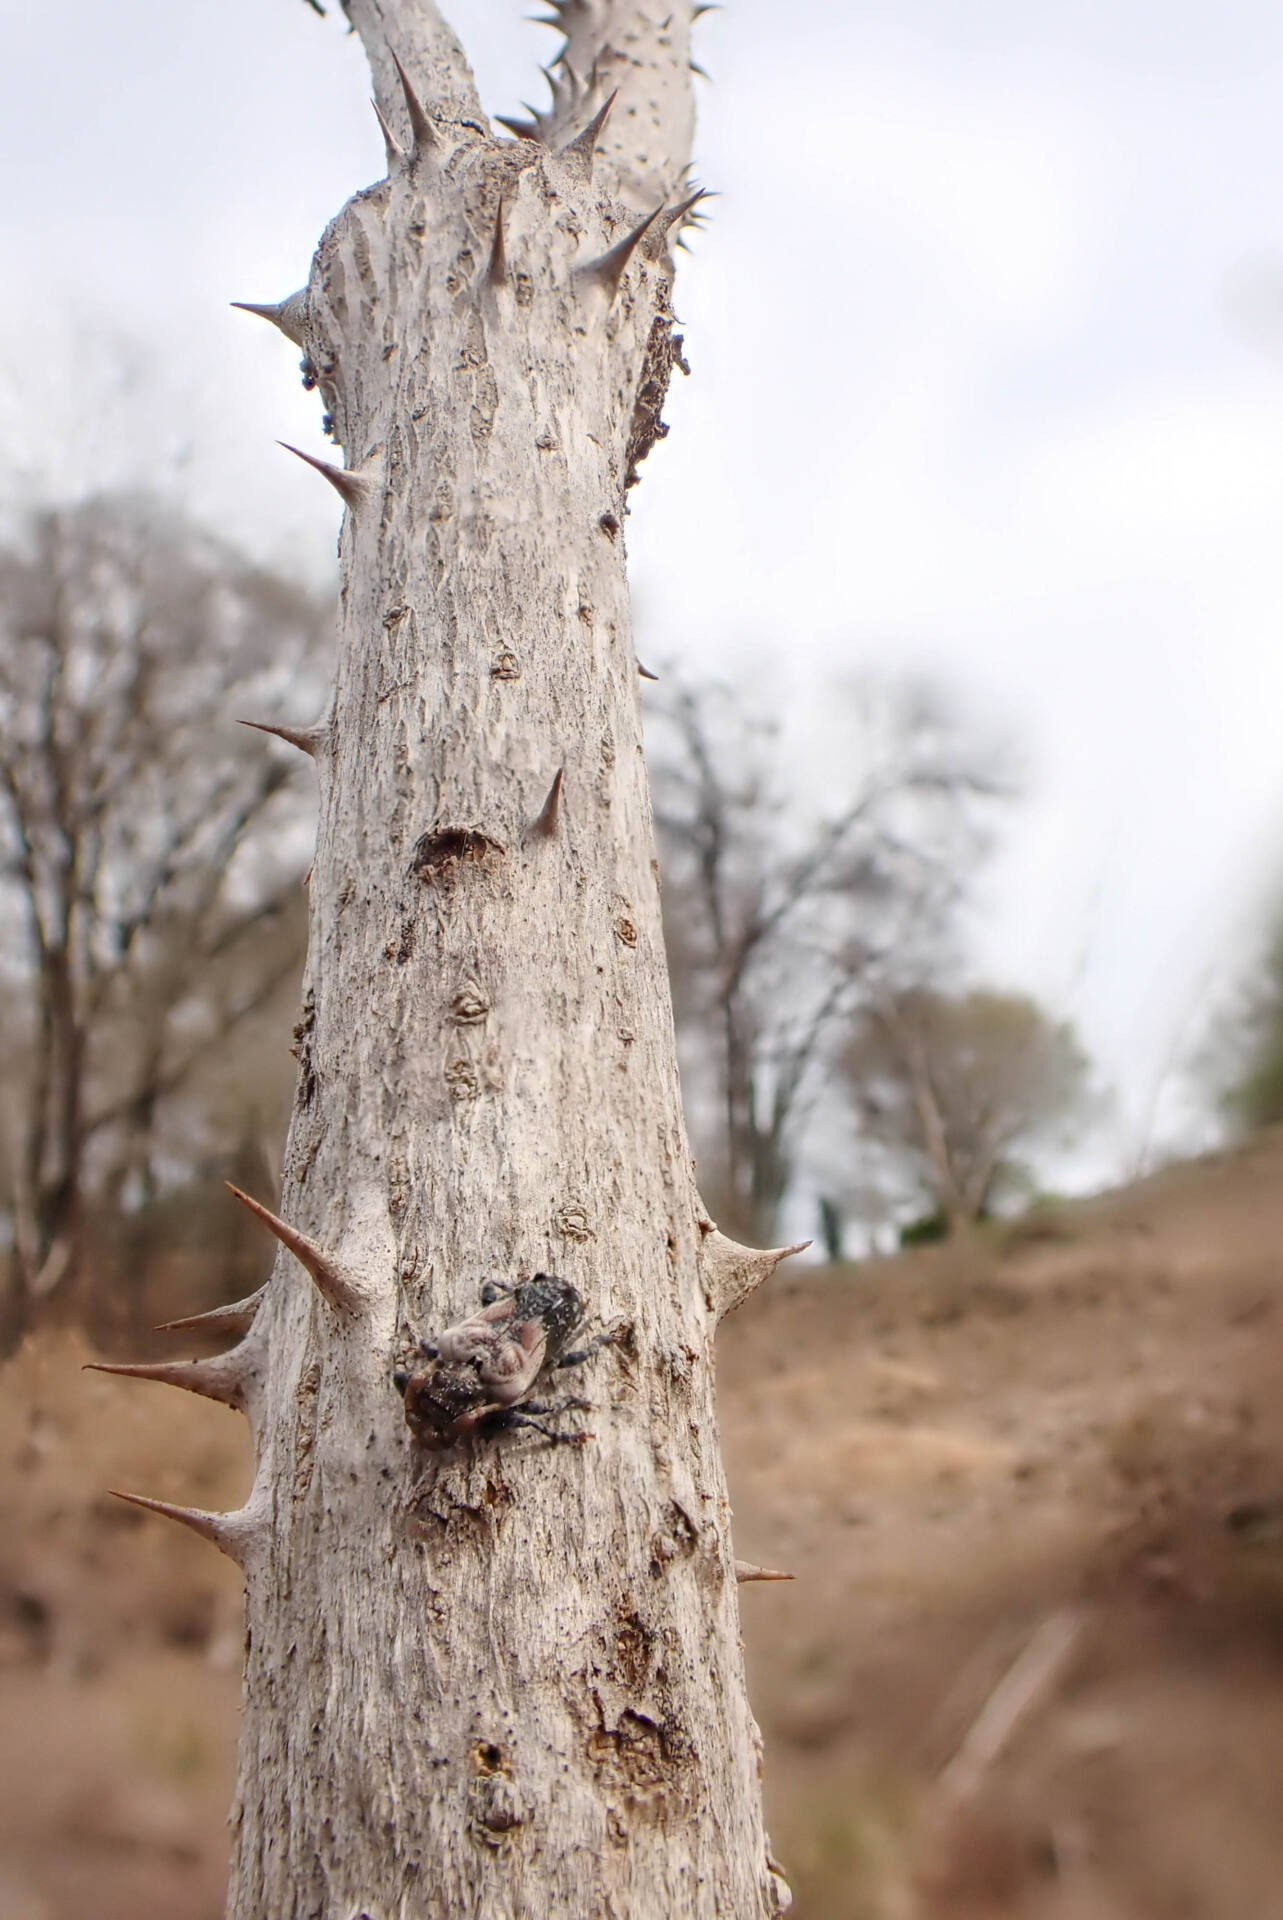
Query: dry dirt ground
{"x": 1032, "y": 1661}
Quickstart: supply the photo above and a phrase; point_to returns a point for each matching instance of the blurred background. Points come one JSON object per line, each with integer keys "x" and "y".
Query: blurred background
{"x": 960, "y": 574}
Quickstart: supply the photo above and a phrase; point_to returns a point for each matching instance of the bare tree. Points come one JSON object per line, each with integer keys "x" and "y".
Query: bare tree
{"x": 488, "y": 1673}
{"x": 149, "y": 856}
{"x": 951, "y": 1085}
{"x": 781, "y": 920}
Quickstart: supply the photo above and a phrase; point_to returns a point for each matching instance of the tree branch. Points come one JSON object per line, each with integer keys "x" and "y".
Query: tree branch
{"x": 434, "y": 60}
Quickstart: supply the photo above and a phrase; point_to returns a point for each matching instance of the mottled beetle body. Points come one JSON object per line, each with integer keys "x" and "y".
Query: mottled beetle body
{"x": 481, "y": 1373}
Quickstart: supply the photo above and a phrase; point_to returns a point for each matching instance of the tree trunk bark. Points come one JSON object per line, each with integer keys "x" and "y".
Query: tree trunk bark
{"x": 503, "y": 1679}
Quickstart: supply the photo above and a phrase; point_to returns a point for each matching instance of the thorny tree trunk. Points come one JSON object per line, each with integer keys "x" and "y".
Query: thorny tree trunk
{"x": 503, "y": 1680}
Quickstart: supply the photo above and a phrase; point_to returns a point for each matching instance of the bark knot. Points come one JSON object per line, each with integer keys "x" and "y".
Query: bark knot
{"x": 439, "y": 854}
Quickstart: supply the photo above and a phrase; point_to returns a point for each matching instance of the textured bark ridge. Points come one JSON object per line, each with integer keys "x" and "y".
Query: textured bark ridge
{"x": 504, "y": 1679}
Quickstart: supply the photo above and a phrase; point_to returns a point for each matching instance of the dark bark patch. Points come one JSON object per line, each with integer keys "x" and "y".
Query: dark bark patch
{"x": 573, "y": 1221}
{"x": 487, "y": 1757}
{"x": 644, "y": 1764}
{"x": 673, "y": 1539}
{"x": 663, "y": 353}
{"x": 439, "y": 856}
{"x": 634, "y": 1652}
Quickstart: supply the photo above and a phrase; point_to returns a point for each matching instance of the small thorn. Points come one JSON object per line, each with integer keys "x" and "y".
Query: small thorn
{"x": 352, "y": 487}
{"x": 677, "y": 217}
{"x": 608, "y": 269}
{"x": 306, "y": 739}
{"x": 543, "y": 20}
{"x": 545, "y": 826}
{"x": 703, "y": 72}
{"x": 289, "y": 315}
{"x": 580, "y": 152}
{"x": 425, "y": 134}
{"x": 524, "y": 129}
{"x": 216, "y": 1379}
{"x": 391, "y": 145}
{"x": 745, "y": 1571}
{"x": 237, "y": 1317}
{"x": 231, "y": 1533}
{"x": 497, "y": 271}
{"x": 331, "y": 1281}
{"x": 710, "y": 6}
{"x": 645, "y": 672}
{"x": 730, "y": 1273}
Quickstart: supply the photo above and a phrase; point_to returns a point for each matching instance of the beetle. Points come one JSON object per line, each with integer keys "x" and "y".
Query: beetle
{"x": 480, "y": 1374}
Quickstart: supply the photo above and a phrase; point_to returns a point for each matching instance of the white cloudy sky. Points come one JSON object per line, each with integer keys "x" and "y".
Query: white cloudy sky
{"x": 988, "y": 348}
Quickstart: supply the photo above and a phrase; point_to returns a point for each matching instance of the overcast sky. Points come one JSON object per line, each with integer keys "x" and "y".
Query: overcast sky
{"x": 987, "y": 338}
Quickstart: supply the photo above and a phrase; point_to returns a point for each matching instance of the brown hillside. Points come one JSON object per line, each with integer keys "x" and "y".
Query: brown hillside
{"x": 1032, "y": 1662}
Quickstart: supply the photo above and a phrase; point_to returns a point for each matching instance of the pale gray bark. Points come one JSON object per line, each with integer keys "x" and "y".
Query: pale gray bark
{"x": 504, "y": 1680}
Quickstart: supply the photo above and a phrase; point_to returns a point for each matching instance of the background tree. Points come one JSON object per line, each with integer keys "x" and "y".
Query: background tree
{"x": 150, "y": 856}
{"x": 501, "y": 1678}
{"x": 781, "y": 918}
{"x": 1242, "y": 1059}
{"x": 948, "y": 1086}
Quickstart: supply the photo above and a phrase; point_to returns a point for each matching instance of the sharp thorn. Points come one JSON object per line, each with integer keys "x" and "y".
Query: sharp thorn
{"x": 231, "y": 1533}
{"x": 523, "y": 129}
{"x": 425, "y": 134}
{"x": 645, "y": 672}
{"x": 677, "y": 217}
{"x": 703, "y": 72}
{"x": 608, "y": 269}
{"x": 216, "y": 1379}
{"x": 237, "y": 1317}
{"x": 306, "y": 739}
{"x": 497, "y": 271}
{"x": 745, "y": 1571}
{"x": 580, "y": 152}
{"x": 391, "y": 145}
{"x": 332, "y": 1283}
{"x": 290, "y": 315}
{"x": 730, "y": 1273}
{"x": 710, "y": 6}
{"x": 351, "y": 487}
{"x": 545, "y": 826}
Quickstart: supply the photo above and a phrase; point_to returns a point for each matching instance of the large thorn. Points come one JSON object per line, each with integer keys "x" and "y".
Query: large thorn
{"x": 580, "y": 152}
{"x": 607, "y": 270}
{"x": 352, "y": 487}
{"x": 289, "y": 315}
{"x": 331, "y": 1281}
{"x": 391, "y": 145}
{"x": 497, "y": 271}
{"x": 232, "y": 1533}
{"x": 729, "y": 1273}
{"x": 237, "y": 1317}
{"x": 306, "y": 739}
{"x": 645, "y": 672}
{"x": 745, "y": 1571}
{"x": 545, "y": 826}
{"x": 221, "y": 1378}
{"x": 425, "y": 134}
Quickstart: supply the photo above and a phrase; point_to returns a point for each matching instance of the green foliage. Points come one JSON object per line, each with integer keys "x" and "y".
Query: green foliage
{"x": 926, "y": 1230}
{"x": 1255, "y": 1097}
